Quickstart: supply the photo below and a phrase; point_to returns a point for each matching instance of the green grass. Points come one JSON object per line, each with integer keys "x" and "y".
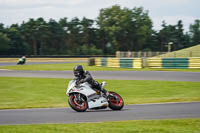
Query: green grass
{"x": 69, "y": 67}
{"x": 142, "y": 126}
{"x": 186, "y": 52}
{"x": 50, "y": 92}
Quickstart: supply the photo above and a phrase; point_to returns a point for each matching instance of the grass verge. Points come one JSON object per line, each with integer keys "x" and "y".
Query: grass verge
{"x": 69, "y": 67}
{"x": 142, "y": 126}
{"x": 50, "y": 92}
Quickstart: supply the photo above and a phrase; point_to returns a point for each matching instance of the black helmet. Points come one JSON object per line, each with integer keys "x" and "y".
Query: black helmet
{"x": 78, "y": 70}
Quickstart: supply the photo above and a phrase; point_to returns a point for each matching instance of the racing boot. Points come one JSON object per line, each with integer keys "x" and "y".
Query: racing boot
{"x": 100, "y": 87}
{"x": 105, "y": 92}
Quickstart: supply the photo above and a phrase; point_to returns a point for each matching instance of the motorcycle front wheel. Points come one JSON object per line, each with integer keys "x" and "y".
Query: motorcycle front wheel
{"x": 79, "y": 105}
{"x": 115, "y": 101}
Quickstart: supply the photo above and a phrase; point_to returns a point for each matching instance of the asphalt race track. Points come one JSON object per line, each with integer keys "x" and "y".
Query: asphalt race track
{"x": 119, "y": 75}
{"x": 131, "y": 112}
{"x": 32, "y": 63}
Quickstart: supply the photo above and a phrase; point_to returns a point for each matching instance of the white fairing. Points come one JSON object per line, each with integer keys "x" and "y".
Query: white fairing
{"x": 82, "y": 88}
{"x": 93, "y": 99}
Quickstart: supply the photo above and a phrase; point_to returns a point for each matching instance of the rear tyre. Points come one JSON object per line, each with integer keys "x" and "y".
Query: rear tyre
{"x": 115, "y": 101}
{"x": 77, "y": 105}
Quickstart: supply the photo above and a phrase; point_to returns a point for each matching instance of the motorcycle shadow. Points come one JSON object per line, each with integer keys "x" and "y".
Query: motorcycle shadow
{"x": 98, "y": 111}
{"x": 105, "y": 110}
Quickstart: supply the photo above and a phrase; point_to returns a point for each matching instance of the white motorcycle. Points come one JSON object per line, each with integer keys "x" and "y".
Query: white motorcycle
{"x": 82, "y": 97}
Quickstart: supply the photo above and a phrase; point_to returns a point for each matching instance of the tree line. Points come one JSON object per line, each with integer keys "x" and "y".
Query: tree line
{"x": 115, "y": 29}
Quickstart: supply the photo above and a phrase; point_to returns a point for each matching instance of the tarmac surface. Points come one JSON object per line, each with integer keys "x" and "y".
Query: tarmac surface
{"x": 118, "y": 75}
{"x": 32, "y": 63}
{"x": 130, "y": 112}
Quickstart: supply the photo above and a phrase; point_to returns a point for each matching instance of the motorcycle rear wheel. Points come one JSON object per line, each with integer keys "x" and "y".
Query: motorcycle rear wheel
{"x": 115, "y": 104}
{"x": 79, "y": 106}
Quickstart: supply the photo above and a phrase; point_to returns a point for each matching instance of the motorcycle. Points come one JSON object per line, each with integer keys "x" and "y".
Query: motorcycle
{"x": 82, "y": 97}
{"x": 21, "y": 61}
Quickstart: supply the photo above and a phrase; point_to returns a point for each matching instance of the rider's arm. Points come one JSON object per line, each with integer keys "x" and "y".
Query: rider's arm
{"x": 88, "y": 77}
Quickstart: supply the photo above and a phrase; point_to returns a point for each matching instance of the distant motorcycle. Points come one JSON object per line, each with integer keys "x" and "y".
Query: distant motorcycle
{"x": 82, "y": 97}
{"x": 22, "y": 61}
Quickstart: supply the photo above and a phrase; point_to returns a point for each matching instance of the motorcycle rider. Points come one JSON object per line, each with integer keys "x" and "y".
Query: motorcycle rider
{"x": 82, "y": 76}
{"x": 22, "y": 60}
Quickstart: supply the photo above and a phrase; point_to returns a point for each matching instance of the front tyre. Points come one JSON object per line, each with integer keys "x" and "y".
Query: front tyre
{"x": 77, "y": 104}
{"x": 115, "y": 101}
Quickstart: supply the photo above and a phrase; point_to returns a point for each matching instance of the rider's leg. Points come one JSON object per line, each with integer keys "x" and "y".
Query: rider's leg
{"x": 100, "y": 88}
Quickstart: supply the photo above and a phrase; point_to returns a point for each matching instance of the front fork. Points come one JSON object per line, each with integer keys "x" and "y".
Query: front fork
{"x": 78, "y": 98}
